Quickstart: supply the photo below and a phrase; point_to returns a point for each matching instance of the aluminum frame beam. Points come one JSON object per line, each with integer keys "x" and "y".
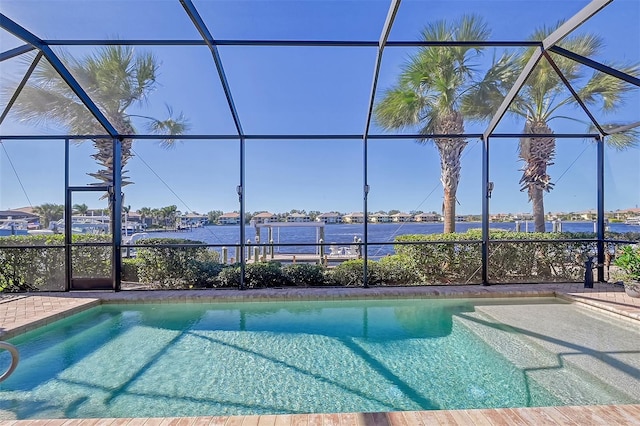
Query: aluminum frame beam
{"x": 206, "y": 35}
{"x": 310, "y": 137}
{"x": 622, "y": 128}
{"x": 28, "y": 37}
{"x": 547, "y": 44}
{"x": 21, "y": 85}
{"x": 293, "y": 43}
{"x": 574, "y": 22}
{"x": 17, "y": 51}
{"x": 573, "y": 93}
{"x": 195, "y": 17}
{"x": 382, "y": 41}
{"x": 596, "y": 65}
{"x": 506, "y": 102}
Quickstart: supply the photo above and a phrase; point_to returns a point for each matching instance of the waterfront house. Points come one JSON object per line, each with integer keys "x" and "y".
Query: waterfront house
{"x": 355, "y": 217}
{"x": 402, "y": 217}
{"x": 232, "y": 218}
{"x": 427, "y": 217}
{"x": 18, "y": 214}
{"x": 193, "y": 220}
{"x": 298, "y": 218}
{"x": 523, "y": 216}
{"x": 379, "y": 218}
{"x": 264, "y": 217}
{"x": 330, "y": 217}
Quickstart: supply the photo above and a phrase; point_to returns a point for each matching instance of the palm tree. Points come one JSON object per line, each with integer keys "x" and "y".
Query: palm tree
{"x": 115, "y": 77}
{"x": 145, "y": 212}
{"x": 170, "y": 214}
{"x": 431, "y": 88}
{"x": 544, "y": 98}
{"x": 49, "y": 213}
{"x": 80, "y": 209}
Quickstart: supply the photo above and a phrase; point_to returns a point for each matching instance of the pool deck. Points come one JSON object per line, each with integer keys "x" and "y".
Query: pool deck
{"x": 26, "y": 312}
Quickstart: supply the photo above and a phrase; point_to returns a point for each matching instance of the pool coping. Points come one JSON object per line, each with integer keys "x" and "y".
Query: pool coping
{"x": 37, "y": 309}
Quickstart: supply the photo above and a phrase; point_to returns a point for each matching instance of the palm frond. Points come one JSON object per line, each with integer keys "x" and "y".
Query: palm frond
{"x": 400, "y": 108}
{"x": 622, "y": 140}
{"x": 607, "y": 90}
{"x": 169, "y": 126}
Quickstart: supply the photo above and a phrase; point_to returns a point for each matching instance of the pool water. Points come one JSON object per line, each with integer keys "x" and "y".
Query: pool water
{"x": 294, "y": 357}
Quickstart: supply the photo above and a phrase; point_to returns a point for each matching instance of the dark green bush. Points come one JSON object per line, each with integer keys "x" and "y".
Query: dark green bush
{"x": 176, "y": 267}
{"x": 443, "y": 258}
{"x": 204, "y": 273}
{"x": 303, "y": 274}
{"x": 351, "y": 273}
{"x": 130, "y": 269}
{"x": 397, "y": 270}
{"x": 522, "y": 259}
{"x": 263, "y": 275}
{"x": 229, "y": 276}
{"x": 43, "y": 268}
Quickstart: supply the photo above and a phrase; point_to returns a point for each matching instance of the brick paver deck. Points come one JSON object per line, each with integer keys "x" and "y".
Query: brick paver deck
{"x": 21, "y": 314}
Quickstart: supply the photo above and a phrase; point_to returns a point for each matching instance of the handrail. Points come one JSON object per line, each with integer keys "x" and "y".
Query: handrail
{"x": 15, "y": 358}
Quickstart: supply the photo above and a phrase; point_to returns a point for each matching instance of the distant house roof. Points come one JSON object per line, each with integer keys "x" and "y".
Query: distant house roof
{"x": 231, "y": 215}
{"x": 29, "y": 210}
{"x": 400, "y": 215}
{"x": 330, "y": 214}
{"x": 355, "y": 214}
{"x": 264, "y": 214}
{"x": 298, "y": 215}
{"x": 17, "y": 214}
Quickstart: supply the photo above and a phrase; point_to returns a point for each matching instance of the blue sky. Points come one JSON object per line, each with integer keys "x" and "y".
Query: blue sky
{"x": 291, "y": 90}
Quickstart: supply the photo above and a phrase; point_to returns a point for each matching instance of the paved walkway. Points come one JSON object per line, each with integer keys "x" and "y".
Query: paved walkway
{"x": 26, "y": 312}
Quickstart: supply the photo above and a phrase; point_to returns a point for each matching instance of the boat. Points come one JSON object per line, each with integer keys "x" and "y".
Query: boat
{"x": 633, "y": 220}
{"x": 13, "y": 227}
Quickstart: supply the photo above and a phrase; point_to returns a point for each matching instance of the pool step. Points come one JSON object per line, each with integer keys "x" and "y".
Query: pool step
{"x": 592, "y": 359}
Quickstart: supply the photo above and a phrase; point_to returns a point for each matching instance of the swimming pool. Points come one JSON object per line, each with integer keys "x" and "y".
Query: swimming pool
{"x": 333, "y": 356}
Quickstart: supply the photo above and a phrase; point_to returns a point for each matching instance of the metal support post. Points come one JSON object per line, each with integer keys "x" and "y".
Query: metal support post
{"x": 116, "y": 215}
{"x": 486, "y": 191}
{"x": 600, "y": 218}
{"x": 240, "y": 190}
{"x": 67, "y": 221}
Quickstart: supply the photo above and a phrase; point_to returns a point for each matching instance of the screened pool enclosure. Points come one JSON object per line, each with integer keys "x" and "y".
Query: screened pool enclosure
{"x": 432, "y": 142}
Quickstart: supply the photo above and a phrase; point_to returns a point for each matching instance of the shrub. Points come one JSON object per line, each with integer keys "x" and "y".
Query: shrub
{"x": 204, "y": 273}
{"x": 264, "y": 274}
{"x": 42, "y": 268}
{"x": 629, "y": 261}
{"x": 351, "y": 273}
{"x": 397, "y": 270}
{"x": 176, "y": 267}
{"x": 443, "y": 258}
{"x": 303, "y": 274}
{"x": 457, "y": 258}
{"x": 130, "y": 269}
{"x": 229, "y": 276}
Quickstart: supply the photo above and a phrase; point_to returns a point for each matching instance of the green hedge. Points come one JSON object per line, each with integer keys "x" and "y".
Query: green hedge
{"x": 458, "y": 259}
{"x": 34, "y": 269}
{"x": 436, "y": 259}
{"x": 529, "y": 261}
{"x": 177, "y": 267}
{"x": 522, "y": 260}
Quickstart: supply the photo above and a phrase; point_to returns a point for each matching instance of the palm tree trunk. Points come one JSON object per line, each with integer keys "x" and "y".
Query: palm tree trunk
{"x": 537, "y": 201}
{"x": 449, "y": 211}
{"x": 450, "y": 150}
{"x": 538, "y": 154}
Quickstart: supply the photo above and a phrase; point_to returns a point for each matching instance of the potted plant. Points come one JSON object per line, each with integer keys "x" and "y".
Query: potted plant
{"x": 629, "y": 262}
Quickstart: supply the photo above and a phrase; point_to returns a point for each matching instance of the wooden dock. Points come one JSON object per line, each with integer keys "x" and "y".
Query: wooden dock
{"x": 305, "y": 258}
